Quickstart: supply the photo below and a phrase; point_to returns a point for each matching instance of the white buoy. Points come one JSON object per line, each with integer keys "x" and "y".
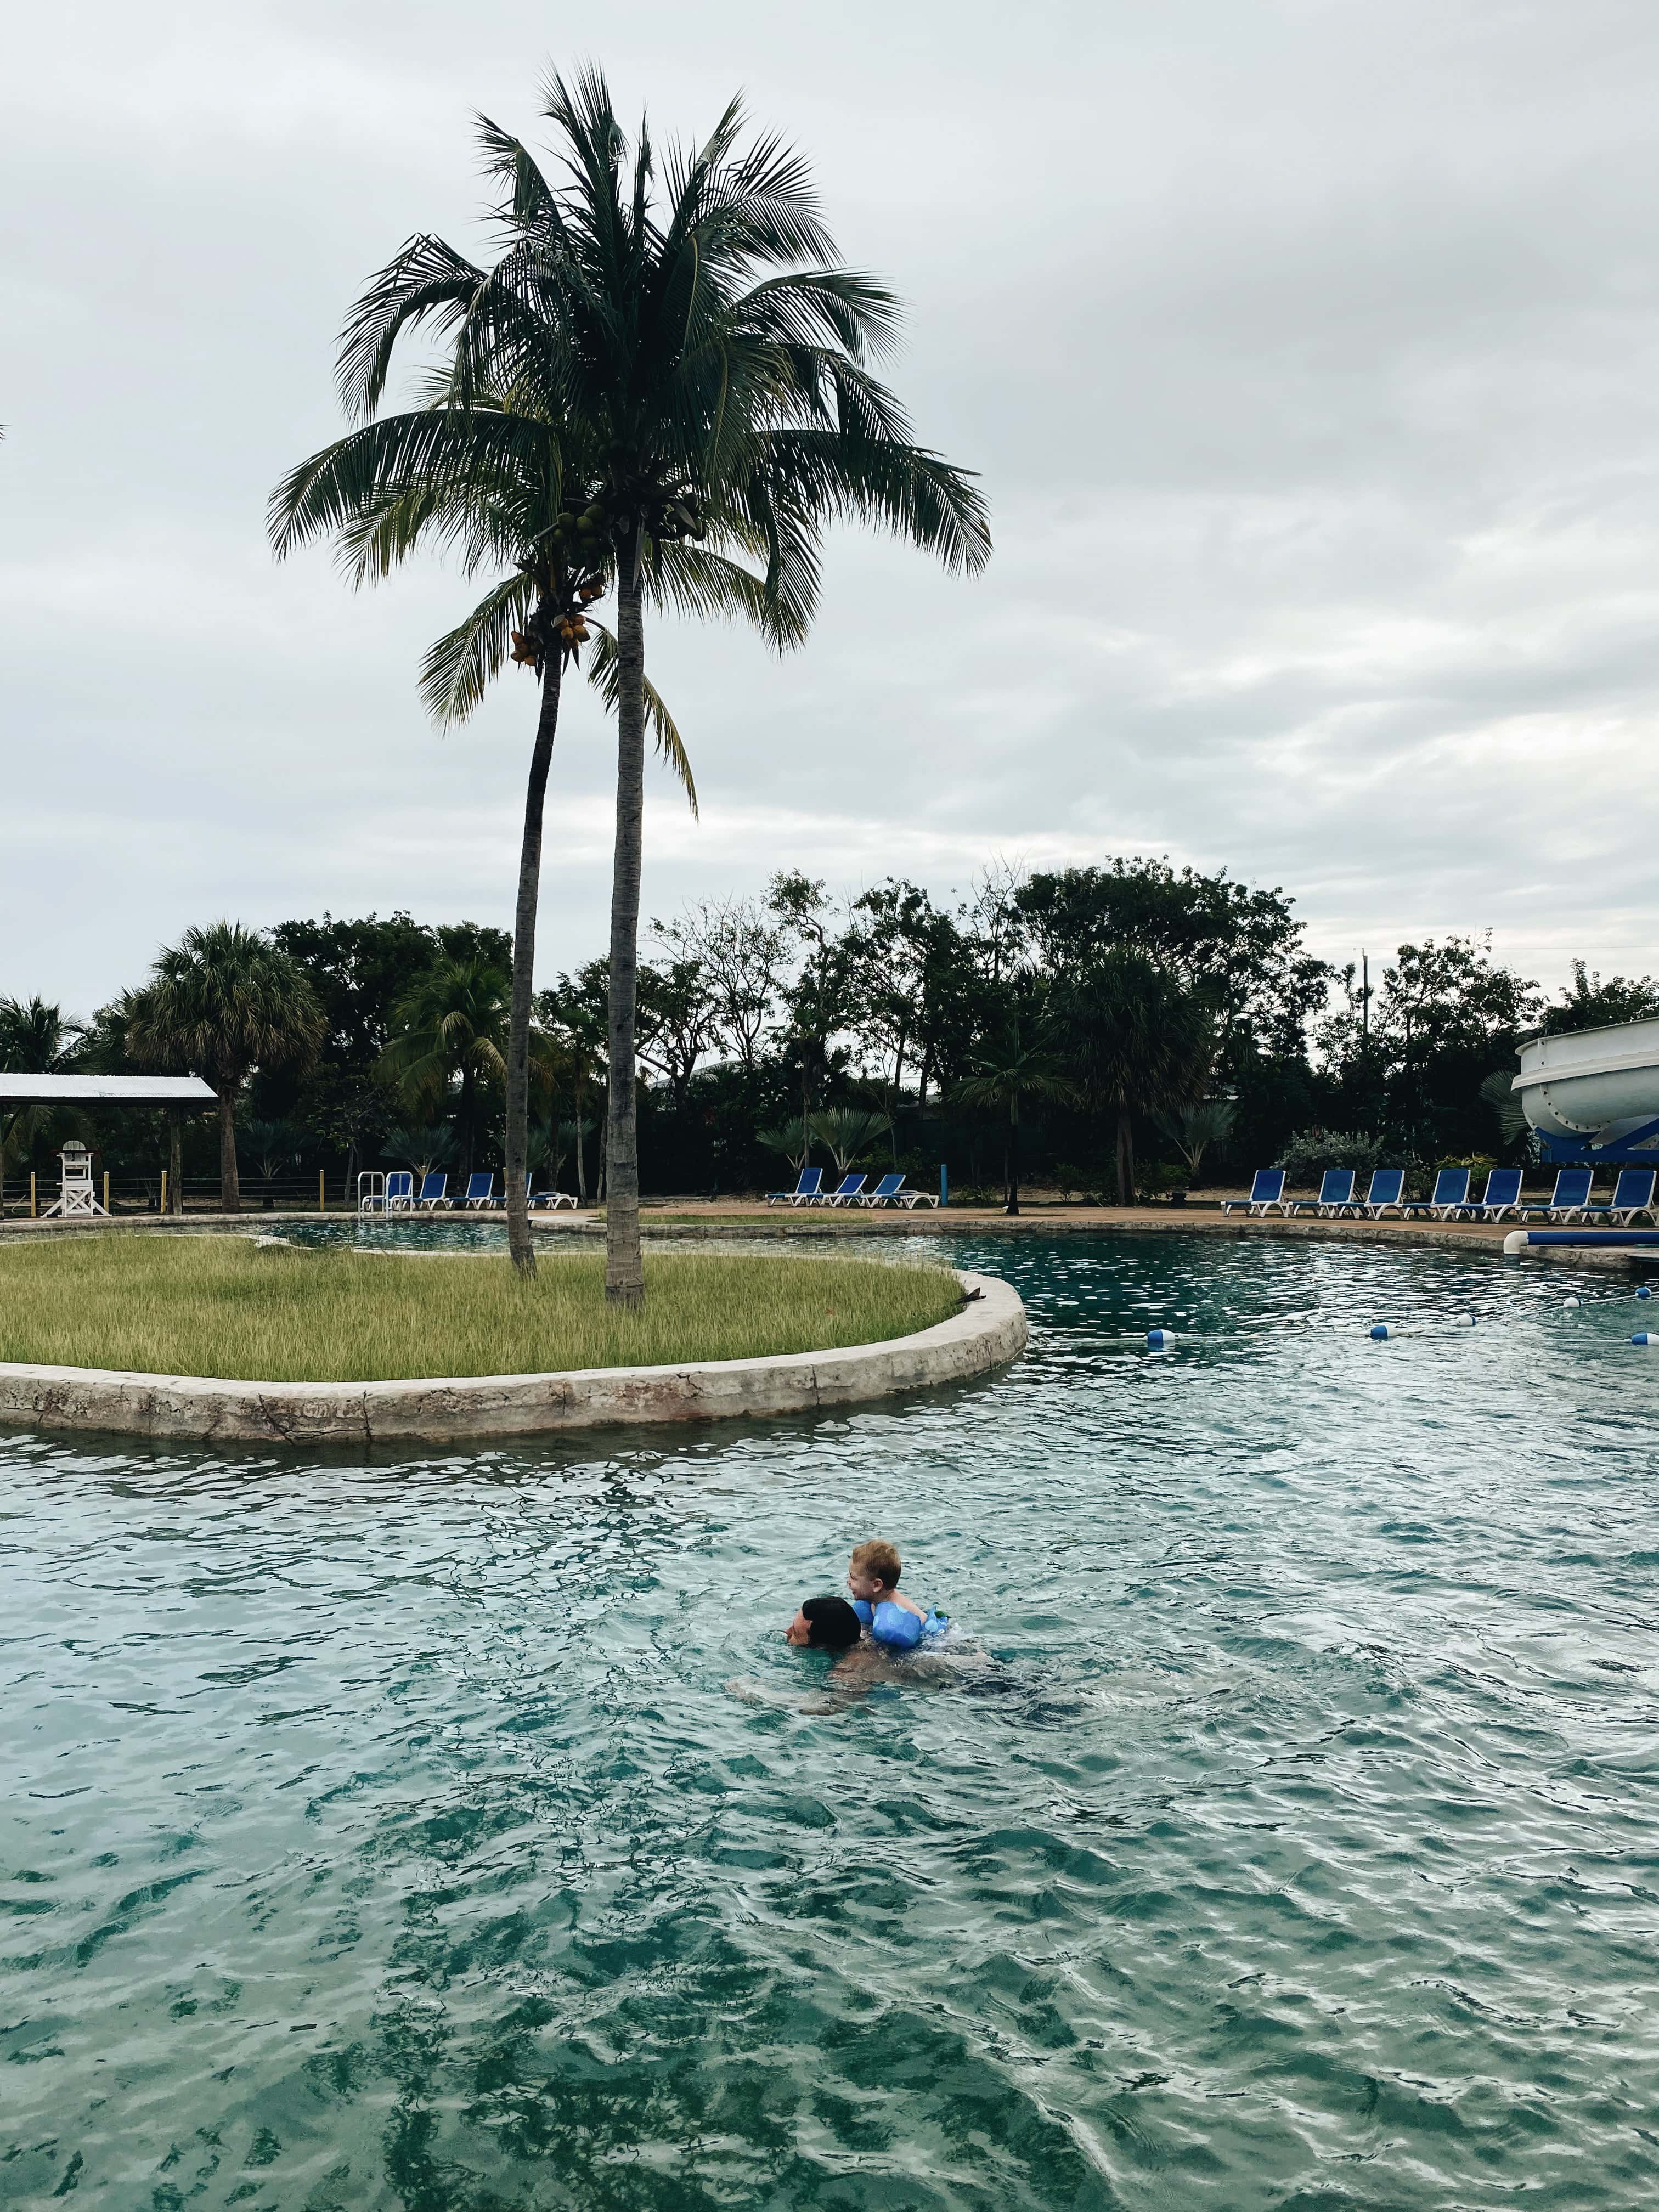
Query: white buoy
{"x": 1466, "y": 1321}
{"x": 1573, "y": 1301}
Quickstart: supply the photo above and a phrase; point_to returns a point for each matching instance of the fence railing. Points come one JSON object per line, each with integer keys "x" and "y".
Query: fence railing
{"x": 29, "y": 1194}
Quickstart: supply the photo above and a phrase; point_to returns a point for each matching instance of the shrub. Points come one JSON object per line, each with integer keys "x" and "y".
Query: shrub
{"x": 1310, "y": 1151}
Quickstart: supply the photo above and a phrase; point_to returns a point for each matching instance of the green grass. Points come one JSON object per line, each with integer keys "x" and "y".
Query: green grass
{"x": 216, "y": 1306}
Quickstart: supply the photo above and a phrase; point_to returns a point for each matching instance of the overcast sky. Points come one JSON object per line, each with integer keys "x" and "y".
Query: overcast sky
{"x": 1308, "y": 353}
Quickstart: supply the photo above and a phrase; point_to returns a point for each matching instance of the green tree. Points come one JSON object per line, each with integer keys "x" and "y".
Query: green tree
{"x": 705, "y": 361}
{"x": 36, "y": 1038}
{"x": 1590, "y": 1003}
{"x": 221, "y": 1002}
{"x": 449, "y": 1031}
{"x": 1138, "y": 1039}
{"x": 1012, "y": 1067}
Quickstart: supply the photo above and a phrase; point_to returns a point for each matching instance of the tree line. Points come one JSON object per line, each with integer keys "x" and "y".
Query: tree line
{"x": 1117, "y": 1029}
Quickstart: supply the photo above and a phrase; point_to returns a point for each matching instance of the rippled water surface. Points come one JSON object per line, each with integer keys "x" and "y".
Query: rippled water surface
{"x": 383, "y": 1832}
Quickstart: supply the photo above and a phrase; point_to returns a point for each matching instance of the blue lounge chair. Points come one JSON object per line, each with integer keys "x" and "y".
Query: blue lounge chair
{"x": 399, "y": 1191}
{"x": 1632, "y": 1194}
{"x": 1570, "y": 1197}
{"x": 1266, "y": 1192}
{"x": 480, "y": 1188}
{"x": 1384, "y": 1196}
{"x": 1335, "y": 1192}
{"x": 806, "y": 1191}
{"x": 1451, "y": 1190}
{"x": 846, "y": 1192}
{"x": 433, "y": 1191}
{"x": 1502, "y": 1196}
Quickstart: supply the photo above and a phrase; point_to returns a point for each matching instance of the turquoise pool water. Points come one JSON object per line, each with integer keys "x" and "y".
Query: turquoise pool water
{"x": 383, "y": 1832}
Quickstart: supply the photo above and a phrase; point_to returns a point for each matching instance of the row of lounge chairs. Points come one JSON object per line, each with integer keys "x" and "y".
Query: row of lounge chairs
{"x": 1501, "y": 1200}
{"x": 889, "y": 1191}
{"x": 400, "y": 1195}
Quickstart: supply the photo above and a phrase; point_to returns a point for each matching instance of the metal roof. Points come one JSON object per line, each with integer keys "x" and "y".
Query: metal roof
{"x": 111, "y": 1090}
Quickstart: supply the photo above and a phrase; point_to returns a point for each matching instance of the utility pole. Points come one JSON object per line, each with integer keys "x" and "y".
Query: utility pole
{"x": 1365, "y": 999}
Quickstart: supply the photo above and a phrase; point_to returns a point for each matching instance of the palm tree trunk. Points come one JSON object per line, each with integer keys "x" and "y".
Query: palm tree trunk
{"x": 624, "y": 1269}
{"x": 1012, "y": 1206}
{"x": 1126, "y": 1159}
{"x": 230, "y": 1187}
{"x": 519, "y": 1242}
{"x": 465, "y": 1118}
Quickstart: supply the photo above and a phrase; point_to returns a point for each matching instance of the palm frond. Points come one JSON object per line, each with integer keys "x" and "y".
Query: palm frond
{"x": 604, "y": 674}
{"x": 460, "y": 668}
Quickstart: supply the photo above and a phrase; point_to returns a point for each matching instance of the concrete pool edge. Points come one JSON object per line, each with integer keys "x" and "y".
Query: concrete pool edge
{"x": 989, "y": 1331}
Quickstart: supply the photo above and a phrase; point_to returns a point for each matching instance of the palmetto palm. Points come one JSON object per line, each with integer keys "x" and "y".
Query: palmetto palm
{"x": 705, "y": 362}
{"x": 1008, "y": 1071}
{"x": 223, "y": 1002}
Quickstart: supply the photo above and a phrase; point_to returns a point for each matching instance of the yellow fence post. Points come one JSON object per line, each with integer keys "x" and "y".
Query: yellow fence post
{"x": 322, "y": 1190}
{"x": 164, "y": 1190}
{"x": 106, "y": 1190}
{"x": 32, "y": 1198}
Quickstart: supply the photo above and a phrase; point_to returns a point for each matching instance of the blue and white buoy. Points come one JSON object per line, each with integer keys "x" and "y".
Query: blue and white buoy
{"x": 1380, "y": 1331}
{"x": 1160, "y": 1340}
{"x": 1643, "y": 1291}
{"x": 1644, "y": 1336}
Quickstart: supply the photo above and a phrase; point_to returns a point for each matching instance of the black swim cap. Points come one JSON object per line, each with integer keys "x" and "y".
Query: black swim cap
{"x": 832, "y": 1623}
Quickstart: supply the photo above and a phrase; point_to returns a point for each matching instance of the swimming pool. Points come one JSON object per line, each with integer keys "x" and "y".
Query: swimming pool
{"x": 383, "y": 1833}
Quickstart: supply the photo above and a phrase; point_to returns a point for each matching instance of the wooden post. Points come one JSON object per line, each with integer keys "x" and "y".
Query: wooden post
{"x": 106, "y": 1190}
{"x": 164, "y": 1190}
{"x": 322, "y": 1190}
{"x": 32, "y": 1195}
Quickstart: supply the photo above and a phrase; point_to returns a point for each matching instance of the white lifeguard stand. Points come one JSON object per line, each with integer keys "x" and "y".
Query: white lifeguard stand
{"x": 76, "y": 1195}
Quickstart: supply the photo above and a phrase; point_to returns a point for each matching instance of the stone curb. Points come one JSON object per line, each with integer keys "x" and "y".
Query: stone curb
{"x": 988, "y": 1332}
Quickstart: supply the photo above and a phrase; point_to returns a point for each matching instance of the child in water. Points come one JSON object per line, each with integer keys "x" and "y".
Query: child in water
{"x": 893, "y": 1617}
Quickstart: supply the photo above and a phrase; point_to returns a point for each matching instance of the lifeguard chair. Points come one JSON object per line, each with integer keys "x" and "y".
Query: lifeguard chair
{"x": 75, "y": 1193}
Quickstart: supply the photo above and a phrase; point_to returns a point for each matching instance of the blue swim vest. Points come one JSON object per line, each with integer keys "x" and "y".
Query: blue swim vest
{"x": 896, "y": 1627}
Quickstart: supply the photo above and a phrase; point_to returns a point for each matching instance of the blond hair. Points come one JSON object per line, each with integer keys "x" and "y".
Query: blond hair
{"x": 880, "y": 1560}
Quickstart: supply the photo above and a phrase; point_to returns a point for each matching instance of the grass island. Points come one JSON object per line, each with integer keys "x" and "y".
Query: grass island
{"x": 226, "y": 1306}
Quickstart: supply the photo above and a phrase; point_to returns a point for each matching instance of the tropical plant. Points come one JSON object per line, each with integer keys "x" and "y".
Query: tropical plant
{"x": 1498, "y": 1091}
{"x": 449, "y": 1033}
{"x": 704, "y": 362}
{"x": 791, "y": 1140}
{"x": 36, "y": 1038}
{"x": 221, "y": 1002}
{"x": 422, "y": 1150}
{"x": 273, "y": 1144}
{"x": 1010, "y": 1069}
{"x": 1192, "y": 1129}
{"x": 1139, "y": 1039}
{"x": 847, "y": 1132}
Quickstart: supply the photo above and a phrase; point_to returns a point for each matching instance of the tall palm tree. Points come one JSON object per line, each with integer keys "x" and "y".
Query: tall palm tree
{"x": 221, "y": 1002}
{"x": 1008, "y": 1071}
{"x": 705, "y": 362}
{"x": 451, "y": 1026}
{"x": 479, "y": 471}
